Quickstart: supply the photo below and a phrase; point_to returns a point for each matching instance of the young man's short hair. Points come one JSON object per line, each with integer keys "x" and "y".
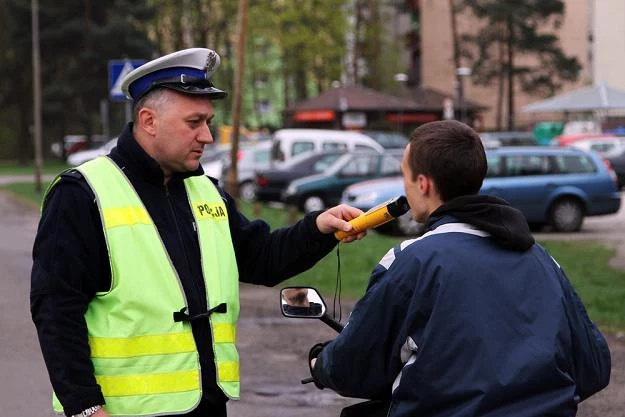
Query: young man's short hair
{"x": 452, "y": 154}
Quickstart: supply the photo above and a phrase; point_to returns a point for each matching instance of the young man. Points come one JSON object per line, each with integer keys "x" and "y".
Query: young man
{"x": 473, "y": 318}
{"x": 138, "y": 257}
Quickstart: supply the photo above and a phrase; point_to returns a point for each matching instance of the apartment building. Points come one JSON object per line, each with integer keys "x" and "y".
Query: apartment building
{"x": 608, "y": 42}
{"x": 438, "y": 69}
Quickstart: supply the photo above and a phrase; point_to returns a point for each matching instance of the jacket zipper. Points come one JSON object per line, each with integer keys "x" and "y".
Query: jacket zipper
{"x": 202, "y": 297}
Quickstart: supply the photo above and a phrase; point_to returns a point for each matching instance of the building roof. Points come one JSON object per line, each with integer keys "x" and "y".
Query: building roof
{"x": 596, "y": 97}
{"x": 356, "y": 98}
{"x": 431, "y": 99}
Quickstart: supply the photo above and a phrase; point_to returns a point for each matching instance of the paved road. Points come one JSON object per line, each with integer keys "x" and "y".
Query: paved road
{"x": 10, "y": 179}
{"x": 608, "y": 230}
{"x": 273, "y": 349}
{"x": 23, "y": 378}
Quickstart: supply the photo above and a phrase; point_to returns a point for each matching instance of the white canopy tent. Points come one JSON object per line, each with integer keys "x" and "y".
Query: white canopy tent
{"x": 597, "y": 98}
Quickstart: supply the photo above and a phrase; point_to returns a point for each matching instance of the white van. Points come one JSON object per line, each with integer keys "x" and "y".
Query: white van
{"x": 290, "y": 142}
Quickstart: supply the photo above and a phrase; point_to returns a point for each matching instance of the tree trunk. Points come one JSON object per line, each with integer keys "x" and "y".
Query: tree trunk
{"x": 253, "y": 77}
{"x": 456, "y": 62}
{"x": 510, "y": 75}
{"x": 500, "y": 79}
{"x": 286, "y": 90}
{"x": 24, "y": 137}
{"x": 374, "y": 44}
{"x": 301, "y": 88}
{"x": 357, "y": 48}
{"x": 232, "y": 184}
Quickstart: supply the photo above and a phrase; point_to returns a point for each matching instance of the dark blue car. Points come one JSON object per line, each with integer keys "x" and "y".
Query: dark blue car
{"x": 555, "y": 186}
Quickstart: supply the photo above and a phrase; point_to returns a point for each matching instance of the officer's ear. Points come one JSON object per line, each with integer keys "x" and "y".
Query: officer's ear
{"x": 146, "y": 119}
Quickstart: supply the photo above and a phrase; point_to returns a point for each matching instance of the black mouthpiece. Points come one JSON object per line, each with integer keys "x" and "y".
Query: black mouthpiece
{"x": 398, "y": 207}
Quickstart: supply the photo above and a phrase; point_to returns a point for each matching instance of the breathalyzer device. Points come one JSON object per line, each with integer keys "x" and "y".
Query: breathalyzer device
{"x": 378, "y": 215}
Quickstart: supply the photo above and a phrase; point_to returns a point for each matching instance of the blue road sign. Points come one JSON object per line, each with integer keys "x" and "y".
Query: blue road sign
{"x": 117, "y": 71}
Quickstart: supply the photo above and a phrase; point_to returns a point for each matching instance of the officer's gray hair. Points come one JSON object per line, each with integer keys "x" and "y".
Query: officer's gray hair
{"x": 153, "y": 99}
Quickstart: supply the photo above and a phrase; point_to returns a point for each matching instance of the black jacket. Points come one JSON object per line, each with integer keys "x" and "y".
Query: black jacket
{"x": 70, "y": 264}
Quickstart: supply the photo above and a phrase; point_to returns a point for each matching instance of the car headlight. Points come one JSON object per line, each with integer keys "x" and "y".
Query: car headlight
{"x": 290, "y": 190}
{"x": 369, "y": 199}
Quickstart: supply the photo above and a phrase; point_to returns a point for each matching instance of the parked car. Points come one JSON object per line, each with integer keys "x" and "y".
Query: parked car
{"x": 604, "y": 146}
{"x": 550, "y": 185}
{"x": 618, "y": 165}
{"x": 568, "y": 139}
{"x": 80, "y": 157}
{"x": 288, "y": 143}
{"x": 213, "y": 159}
{"x": 271, "y": 183}
{"x": 317, "y": 192}
{"x": 511, "y": 138}
{"x": 389, "y": 140}
{"x": 250, "y": 159}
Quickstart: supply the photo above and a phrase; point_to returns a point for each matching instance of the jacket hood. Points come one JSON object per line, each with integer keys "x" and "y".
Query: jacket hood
{"x": 506, "y": 225}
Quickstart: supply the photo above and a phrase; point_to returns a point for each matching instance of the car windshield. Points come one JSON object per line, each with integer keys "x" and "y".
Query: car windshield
{"x": 325, "y": 162}
{"x": 323, "y": 159}
{"x": 388, "y": 139}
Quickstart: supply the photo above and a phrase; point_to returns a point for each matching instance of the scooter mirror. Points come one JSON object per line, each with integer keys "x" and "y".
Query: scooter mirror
{"x": 302, "y": 302}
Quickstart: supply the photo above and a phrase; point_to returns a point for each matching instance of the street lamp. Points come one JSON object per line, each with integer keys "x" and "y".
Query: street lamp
{"x": 461, "y": 73}
{"x": 401, "y": 78}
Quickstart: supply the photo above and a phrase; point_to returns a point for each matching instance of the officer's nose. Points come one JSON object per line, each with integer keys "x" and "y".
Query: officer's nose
{"x": 205, "y": 135}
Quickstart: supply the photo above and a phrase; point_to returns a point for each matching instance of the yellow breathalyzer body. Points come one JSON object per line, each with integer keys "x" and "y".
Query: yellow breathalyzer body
{"x": 378, "y": 215}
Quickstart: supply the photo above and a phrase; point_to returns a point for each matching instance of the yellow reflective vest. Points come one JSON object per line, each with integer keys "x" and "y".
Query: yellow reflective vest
{"x": 146, "y": 362}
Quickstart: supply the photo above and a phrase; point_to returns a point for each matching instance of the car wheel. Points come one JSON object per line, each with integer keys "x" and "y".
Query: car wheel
{"x": 247, "y": 191}
{"x": 566, "y": 215}
{"x": 313, "y": 203}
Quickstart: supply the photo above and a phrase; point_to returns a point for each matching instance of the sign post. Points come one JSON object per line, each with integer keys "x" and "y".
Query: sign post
{"x": 118, "y": 69}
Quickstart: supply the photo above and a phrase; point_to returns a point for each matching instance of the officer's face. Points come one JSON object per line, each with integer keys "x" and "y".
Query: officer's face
{"x": 181, "y": 131}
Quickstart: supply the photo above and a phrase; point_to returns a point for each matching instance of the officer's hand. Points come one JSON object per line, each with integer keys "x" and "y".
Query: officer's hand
{"x": 337, "y": 218}
{"x": 100, "y": 413}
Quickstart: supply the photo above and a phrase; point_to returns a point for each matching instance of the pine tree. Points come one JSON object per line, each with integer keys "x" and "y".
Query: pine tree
{"x": 513, "y": 28}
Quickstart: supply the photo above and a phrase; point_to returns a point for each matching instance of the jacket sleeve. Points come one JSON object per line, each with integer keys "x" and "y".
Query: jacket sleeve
{"x": 591, "y": 354}
{"x": 355, "y": 364}
{"x": 67, "y": 259}
{"x": 269, "y": 257}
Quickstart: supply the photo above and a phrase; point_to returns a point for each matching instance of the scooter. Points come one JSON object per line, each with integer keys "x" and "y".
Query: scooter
{"x": 307, "y": 303}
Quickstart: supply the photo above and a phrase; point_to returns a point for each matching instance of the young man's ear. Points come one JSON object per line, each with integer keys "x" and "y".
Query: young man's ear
{"x": 146, "y": 119}
{"x": 423, "y": 184}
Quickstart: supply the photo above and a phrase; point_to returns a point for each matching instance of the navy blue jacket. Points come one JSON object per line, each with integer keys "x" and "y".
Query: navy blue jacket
{"x": 471, "y": 319}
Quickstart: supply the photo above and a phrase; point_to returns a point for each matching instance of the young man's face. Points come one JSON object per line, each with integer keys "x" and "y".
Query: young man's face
{"x": 414, "y": 190}
{"x": 181, "y": 129}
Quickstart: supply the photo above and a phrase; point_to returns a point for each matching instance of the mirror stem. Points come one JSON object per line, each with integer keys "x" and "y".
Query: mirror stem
{"x": 332, "y": 323}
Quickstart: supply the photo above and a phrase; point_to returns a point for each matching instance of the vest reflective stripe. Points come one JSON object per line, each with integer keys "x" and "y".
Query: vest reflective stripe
{"x": 102, "y": 347}
{"x": 228, "y": 371}
{"x": 127, "y": 385}
{"x": 146, "y": 363}
{"x": 125, "y": 216}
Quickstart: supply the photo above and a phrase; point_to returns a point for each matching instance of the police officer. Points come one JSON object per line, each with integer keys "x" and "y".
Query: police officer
{"x": 138, "y": 257}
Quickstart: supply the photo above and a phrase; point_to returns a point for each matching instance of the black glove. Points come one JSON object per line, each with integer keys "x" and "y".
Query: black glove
{"x": 313, "y": 354}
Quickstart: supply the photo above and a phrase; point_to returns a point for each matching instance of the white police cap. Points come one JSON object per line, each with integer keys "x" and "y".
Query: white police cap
{"x": 187, "y": 71}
